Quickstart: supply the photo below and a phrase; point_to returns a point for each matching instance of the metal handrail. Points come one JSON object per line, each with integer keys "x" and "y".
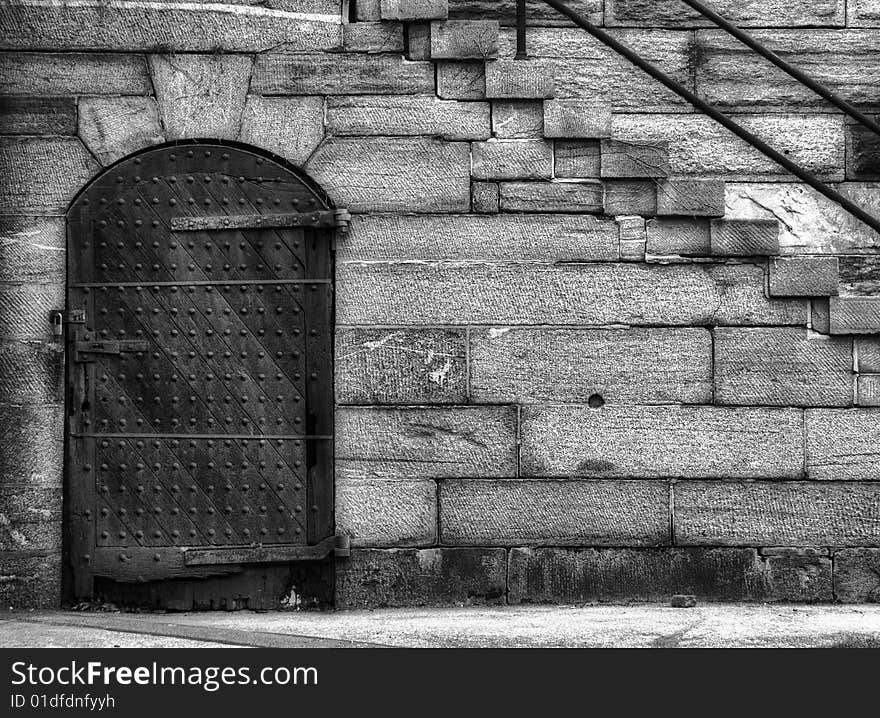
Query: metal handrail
{"x": 700, "y": 104}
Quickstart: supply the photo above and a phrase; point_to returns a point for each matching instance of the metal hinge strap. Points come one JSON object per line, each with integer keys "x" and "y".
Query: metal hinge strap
{"x": 83, "y": 349}
{"x": 326, "y": 218}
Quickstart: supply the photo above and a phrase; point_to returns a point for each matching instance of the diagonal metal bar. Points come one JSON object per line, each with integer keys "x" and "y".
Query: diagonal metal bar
{"x": 799, "y": 75}
{"x": 722, "y": 119}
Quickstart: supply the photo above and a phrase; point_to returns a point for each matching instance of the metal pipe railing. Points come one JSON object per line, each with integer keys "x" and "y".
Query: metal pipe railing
{"x": 786, "y": 67}
{"x": 605, "y": 38}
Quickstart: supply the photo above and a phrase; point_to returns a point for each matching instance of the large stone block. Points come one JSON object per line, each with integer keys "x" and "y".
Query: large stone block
{"x": 26, "y": 309}
{"x": 167, "y": 27}
{"x": 416, "y": 443}
{"x": 518, "y": 80}
{"x": 42, "y": 174}
{"x": 201, "y": 95}
{"x": 842, "y": 444}
{"x": 631, "y": 197}
{"x": 441, "y": 293}
{"x": 854, "y": 315}
{"x": 30, "y": 580}
{"x": 576, "y": 119}
{"x": 803, "y": 575}
{"x": 515, "y": 511}
{"x": 662, "y": 441}
{"x": 804, "y": 276}
{"x": 557, "y": 237}
{"x": 699, "y": 146}
{"x": 537, "y": 14}
{"x": 432, "y": 576}
{"x": 390, "y": 174}
{"x": 37, "y": 116}
{"x": 782, "y": 367}
{"x": 868, "y": 390}
{"x": 577, "y": 159}
{"x": 31, "y": 373}
{"x": 464, "y": 39}
{"x": 634, "y": 159}
{"x": 400, "y": 366}
{"x": 291, "y": 127}
{"x": 730, "y": 75}
{"x": 413, "y": 9}
{"x": 769, "y": 513}
{"x": 387, "y": 513}
{"x": 31, "y": 445}
{"x": 32, "y": 249}
{"x": 863, "y": 13}
{"x": 334, "y": 74}
{"x": 744, "y": 237}
{"x": 857, "y": 575}
{"x": 36, "y": 74}
{"x": 512, "y": 160}
{"x": 113, "y": 127}
{"x": 30, "y": 518}
{"x": 691, "y": 198}
{"x": 485, "y": 198}
{"x": 868, "y": 354}
{"x": 373, "y": 37}
{"x": 561, "y": 575}
{"x": 518, "y": 119}
{"x": 857, "y": 275}
{"x": 408, "y": 115}
{"x": 809, "y": 223}
{"x": 679, "y": 236}
{"x": 745, "y": 13}
{"x": 638, "y": 366}
{"x": 460, "y": 80}
{"x": 578, "y": 196}
{"x": 584, "y": 68}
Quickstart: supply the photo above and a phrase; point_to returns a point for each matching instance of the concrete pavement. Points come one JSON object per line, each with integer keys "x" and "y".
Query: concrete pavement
{"x": 710, "y": 625}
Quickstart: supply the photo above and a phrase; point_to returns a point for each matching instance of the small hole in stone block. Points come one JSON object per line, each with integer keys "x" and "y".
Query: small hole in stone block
{"x": 596, "y": 401}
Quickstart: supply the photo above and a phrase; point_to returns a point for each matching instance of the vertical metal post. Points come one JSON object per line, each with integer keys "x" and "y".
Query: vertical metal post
{"x": 521, "y": 52}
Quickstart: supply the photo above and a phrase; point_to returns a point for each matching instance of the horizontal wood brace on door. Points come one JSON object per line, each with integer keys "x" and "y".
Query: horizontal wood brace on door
{"x": 329, "y": 218}
{"x": 337, "y": 545}
{"x": 198, "y": 283}
{"x": 267, "y": 437}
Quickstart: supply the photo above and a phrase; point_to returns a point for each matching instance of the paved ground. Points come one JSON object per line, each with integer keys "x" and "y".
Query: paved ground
{"x": 599, "y": 626}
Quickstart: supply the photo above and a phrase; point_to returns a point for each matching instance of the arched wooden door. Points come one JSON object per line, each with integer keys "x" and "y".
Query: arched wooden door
{"x": 200, "y": 417}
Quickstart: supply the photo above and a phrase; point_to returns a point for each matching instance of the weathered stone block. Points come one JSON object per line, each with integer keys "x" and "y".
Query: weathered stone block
{"x": 387, "y": 513}
{"x": 576, "y": 119}
{"x": 388, "y": 174}
{"x": 691, "y": 197}
{"x": 820, "y": 316}
{"x": 291, "y": 127}
{"x": 868, "y": 390}
{"x": 461, "y": 80}
{"x": 842, "y": 444}
{"x": 32, "y": 249}
{"x": 685, "y": 237}
{"x": 626, "y": 160}
{"x": 201, "y": 95}
{"x": 113, "y": 127}
{"x": 537, "y": 14}
{"x": 577, "y": 159}
{"x": 593, "y": 513}
{"x": 857, "y": 575}
{"x": 176, "y": 27}
{"x": 859, "y": 275}
{"x": 639, "y": 366}
{"x": 466, "y": 237}
{"x": 36, "y": 74}
{"x": 31, "y": 445}
{"x": 744, "y": 238}
{"x": 768, "y": 513}
{"x": 464, "y": 39}
{"x": 418, "y": 443}
{"x": 745, "y": 13}
{"x": 635, "y": 441}
{"x": 581, "y": 196}
{"x": 637, "y": 197}
{"x": 699, "y": 146}
{"x": 863, "y": 13}
{"x": 408, "y": 115}
{"x": 854, "y": 315}
{"x": 862, "y": 153}
{"x": 633, "y": 238}
{"x": 42, "y": 174}
{"x": 37, "y": 116}
{"x": 432, "y": 576}
{"x": 518, "y": 79}
{"x": 31, "y": 518}
{"x": 730, "y": 75}
{"x": 30, "y": 580}
{"x": 868, "y": 354}
{"x": 782, "y": 367}
{"x": 517, "y": 119}
{"x": 373, "y": 37}
{"x": 31, "y": 373}
{"x": 803, "y": 575}
{"x": 485, "y": 197}
{"x": 400, "y": 366}
{"x": 368, "y": 10}
{"x": 803, "y": 276}
{"x": 336, "y": 74}
{"x": 511, "y": 159}
{"x": 418, "y": 41}
{"x": 25, "y": 310}
{"x": 414, "y": 9}
{"x": 441, "y": 293}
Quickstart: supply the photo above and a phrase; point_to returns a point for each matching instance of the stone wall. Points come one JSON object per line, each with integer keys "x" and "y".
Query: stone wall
{"x": 589, "y": 344}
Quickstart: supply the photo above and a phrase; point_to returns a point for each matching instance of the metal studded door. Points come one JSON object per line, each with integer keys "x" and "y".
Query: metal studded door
{"x": 199, "y": 366}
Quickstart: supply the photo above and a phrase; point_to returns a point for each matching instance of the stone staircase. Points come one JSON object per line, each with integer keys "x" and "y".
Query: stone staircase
{"x": 661, "y": 218}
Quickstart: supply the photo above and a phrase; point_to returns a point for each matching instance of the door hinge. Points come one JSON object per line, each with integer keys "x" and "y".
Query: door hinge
{"x": 339, "y": 218}
{"x": 84, "y": 351}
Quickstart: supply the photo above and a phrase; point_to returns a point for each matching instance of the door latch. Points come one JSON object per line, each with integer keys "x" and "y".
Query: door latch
{"x": 84, "y": 351}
